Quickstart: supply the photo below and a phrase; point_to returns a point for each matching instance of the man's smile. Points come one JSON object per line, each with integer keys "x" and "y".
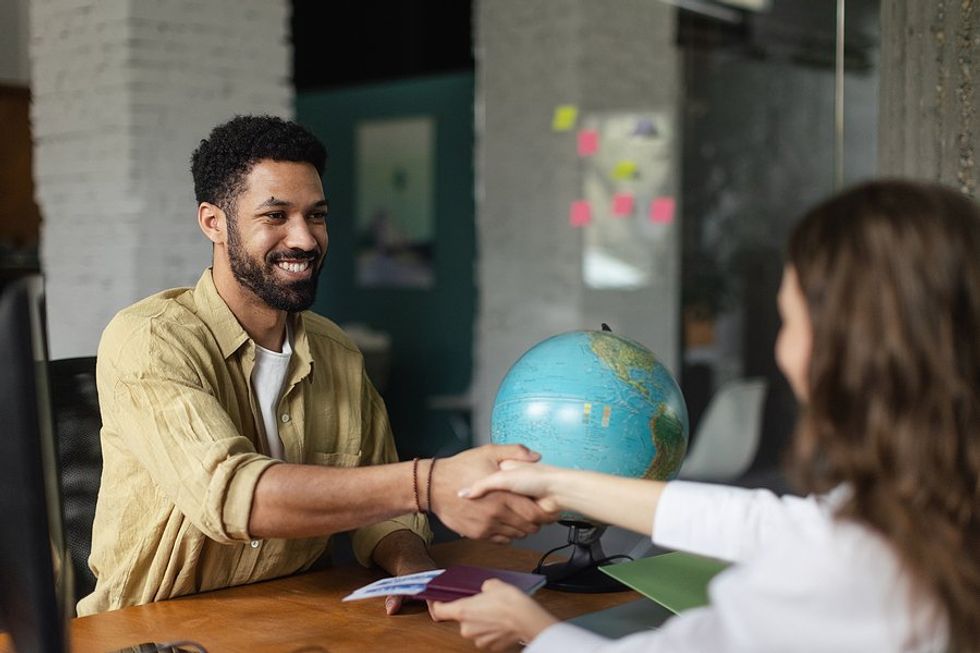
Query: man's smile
{"x": 296, "y": 267}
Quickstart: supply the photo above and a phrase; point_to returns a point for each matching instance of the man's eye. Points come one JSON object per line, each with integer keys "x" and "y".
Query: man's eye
{"x": 319, "y": 216}
{"x": 276, "y": 215}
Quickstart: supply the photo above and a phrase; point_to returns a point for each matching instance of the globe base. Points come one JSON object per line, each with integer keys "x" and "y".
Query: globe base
{"x": 581, "y": 573}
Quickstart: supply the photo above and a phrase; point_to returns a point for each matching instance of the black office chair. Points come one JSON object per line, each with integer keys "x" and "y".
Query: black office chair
{"x": 77, "y": 422}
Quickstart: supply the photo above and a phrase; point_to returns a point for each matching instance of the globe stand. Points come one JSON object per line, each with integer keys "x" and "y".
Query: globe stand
{"x": 580, "y": 573}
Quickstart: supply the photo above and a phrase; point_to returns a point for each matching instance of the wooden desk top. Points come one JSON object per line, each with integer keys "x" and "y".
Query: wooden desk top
{"x": 305, "y": 612}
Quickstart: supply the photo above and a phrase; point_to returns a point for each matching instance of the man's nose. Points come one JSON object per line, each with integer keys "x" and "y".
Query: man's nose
{"x": 300, "y": 235}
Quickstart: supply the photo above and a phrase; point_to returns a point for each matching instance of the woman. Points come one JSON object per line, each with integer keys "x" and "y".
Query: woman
{"x": 880, "y": 341}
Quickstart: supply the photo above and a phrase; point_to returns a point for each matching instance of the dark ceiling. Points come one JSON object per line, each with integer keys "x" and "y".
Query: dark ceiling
{"x": 345, "y": 43}
{"x": 337, "y": 43}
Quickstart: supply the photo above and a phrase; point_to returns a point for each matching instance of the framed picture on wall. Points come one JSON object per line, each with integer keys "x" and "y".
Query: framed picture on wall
{"x": 394, "y": 202}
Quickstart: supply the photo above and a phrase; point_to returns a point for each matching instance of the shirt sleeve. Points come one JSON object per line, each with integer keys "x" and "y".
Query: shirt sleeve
{"x": 728, "y": 522}
{"x": 697, "y": 636}
{"x": 695, "y": 631}
{"x": 158, "y": 407}
{"x": 378, "y": 448}
{"x": 830, "y": 589}
{"x": 563, "y": 637}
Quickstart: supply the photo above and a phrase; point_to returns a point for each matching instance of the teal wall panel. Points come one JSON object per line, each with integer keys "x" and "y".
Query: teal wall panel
{"x": 432, "y": 329}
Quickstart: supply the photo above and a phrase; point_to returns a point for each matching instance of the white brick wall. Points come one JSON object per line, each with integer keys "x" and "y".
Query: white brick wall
{"x": 123, "y": 90}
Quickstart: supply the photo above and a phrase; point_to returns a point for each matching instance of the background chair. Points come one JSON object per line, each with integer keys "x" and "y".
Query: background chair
{"x": 77, "y": 422}
{"x": 779, "y": 414}
{"x": 744, "y": 434}
{"x": 728, "y": 433}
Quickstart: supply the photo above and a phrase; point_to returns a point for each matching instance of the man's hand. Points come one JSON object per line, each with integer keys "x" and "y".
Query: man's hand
{"x": 497, "y": 516}
{"x": 401, "y": 553}
{"x": 531, "y": 480}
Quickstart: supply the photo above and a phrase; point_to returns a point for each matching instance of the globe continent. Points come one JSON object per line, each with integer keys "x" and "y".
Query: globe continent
{"x": 594, "y": 400}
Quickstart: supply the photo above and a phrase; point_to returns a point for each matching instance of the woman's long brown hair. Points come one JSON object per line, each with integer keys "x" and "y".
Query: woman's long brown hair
{"x": 891, "y": 275}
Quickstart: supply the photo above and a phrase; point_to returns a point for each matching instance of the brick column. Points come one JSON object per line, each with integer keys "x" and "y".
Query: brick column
{"x": 122, "y": 92}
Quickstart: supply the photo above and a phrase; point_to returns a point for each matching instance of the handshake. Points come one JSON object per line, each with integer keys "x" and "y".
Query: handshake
{"x": 475, "y": 504}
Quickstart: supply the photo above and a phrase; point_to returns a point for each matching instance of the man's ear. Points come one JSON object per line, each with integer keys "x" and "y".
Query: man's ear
{"x": 213, "y": 222}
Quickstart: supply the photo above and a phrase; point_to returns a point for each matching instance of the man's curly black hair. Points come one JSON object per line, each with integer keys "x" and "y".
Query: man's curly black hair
{"x": 223, "y": 160}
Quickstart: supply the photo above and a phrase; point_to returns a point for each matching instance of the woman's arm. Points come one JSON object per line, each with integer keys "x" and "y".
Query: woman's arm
{"x": 626, "y": 502}
{"x": 730, "y": 523}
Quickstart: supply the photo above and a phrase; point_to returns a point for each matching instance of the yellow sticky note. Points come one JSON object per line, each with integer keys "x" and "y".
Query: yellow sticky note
{"x": 566, "y": 115}
{"x": 624, "y": 169}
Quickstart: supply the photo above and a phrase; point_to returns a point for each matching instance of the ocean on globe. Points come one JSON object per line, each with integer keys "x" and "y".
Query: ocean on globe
{"x": 597, "y": 401}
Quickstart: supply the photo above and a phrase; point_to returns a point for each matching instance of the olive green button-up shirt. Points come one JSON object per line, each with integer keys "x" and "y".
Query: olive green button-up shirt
{"x": 182, "y": 449}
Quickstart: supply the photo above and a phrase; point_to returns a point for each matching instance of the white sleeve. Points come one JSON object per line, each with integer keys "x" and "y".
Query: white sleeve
{"x": 728, "y": 522}
{"x": 832, "y": 590}
{"x": 566, "y": 638}
{"x": 695, "y": 637}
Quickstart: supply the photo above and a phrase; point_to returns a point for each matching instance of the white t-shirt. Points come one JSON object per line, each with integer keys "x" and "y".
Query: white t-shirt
{"x": 268, "y": 376}
{"x": 803, "y": 581}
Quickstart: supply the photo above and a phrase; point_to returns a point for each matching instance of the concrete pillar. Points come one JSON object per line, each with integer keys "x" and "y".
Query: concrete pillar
{"x": 605, "y": 57}
{"x": 14, "y": 68}
{"x": 123, "y": 90}
{"x": 930, "y": 70}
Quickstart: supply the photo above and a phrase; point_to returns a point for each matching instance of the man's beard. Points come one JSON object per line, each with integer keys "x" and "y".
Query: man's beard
{"x": 261, "y": 279}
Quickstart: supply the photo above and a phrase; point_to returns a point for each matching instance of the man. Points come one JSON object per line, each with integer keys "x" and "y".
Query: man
{"x": 240, "y": 430}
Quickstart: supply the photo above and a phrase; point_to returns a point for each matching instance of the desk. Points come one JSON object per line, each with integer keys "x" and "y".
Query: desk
{"x": 305, "y": 612}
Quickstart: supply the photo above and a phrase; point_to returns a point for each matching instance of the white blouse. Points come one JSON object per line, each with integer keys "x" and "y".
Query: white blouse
{"x": 804, "y": 581}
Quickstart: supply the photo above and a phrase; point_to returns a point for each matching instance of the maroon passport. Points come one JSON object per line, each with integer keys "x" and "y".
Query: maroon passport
{"x": 460, "y": 581}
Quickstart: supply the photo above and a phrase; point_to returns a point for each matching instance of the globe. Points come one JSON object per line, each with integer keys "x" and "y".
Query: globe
{"x": 594, "y": 400}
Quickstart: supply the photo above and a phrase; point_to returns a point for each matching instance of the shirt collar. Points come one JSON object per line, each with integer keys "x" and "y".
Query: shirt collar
{"x": 229, "y": 332}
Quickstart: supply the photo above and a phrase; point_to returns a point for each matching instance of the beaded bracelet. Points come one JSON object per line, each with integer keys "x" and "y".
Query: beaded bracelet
{"x": 428, "y": 487}
{"x": 415, "y": 483}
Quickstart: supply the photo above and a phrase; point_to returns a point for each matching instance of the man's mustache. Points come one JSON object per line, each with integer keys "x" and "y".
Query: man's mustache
{"x": 294, "y": 255}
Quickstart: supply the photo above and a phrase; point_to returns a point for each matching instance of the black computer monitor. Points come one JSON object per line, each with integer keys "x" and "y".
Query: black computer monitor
{"x": 35, "y": 571}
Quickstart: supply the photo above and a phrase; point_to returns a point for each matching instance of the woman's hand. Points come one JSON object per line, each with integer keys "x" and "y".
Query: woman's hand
{"x": 532, "y": 480}
{"x": 497, "y": 516}
{"x": 498, "y": 617}
{"x": 627, "y": 502}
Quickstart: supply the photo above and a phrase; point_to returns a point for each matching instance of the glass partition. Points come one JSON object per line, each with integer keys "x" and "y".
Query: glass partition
{"x": 764, "y": 138}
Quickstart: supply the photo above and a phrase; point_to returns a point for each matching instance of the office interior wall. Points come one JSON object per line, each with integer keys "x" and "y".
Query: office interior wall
{"x": 14, "y": 34}
{"x": 123, "y": 90}
{"x": 928, "y": 106}
{"x": 602, "y": 56}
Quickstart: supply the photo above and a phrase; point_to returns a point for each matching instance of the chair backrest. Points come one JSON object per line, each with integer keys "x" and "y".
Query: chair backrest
{"x": 779, "y": 415}
{"x": 728, "y": 433}
{"x": 77, "y": 421}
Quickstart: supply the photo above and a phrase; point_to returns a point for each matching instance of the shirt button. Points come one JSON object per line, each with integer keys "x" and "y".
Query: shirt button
{"x": 254, "y": 544}
{"x": 285, "y": 418}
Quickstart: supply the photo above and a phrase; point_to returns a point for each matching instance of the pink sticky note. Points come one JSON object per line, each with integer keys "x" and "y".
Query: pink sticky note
{"x": 622, "y": 204}
{"x": 580, "y": 213}
{"x": 662, "y": 210}
{"x": 588, "y": 142}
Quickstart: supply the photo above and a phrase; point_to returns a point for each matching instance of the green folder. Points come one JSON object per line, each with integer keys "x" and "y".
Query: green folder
{"x": 678, "y": 581}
